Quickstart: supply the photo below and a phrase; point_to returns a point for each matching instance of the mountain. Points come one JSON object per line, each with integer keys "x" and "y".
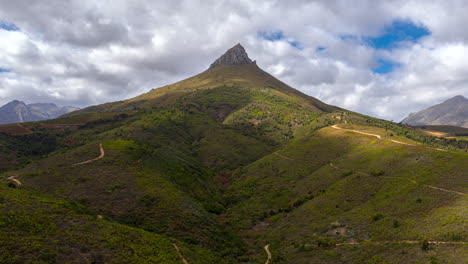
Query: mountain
{"x": 453, "y": 111}
{"x": 234, "y": 56}
{"x": 229, "y": 166}
{"x": 19, "y": 112}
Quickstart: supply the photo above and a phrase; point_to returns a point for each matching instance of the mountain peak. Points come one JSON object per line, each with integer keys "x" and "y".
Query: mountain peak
{"x": 456, "y": 99}
{"x": 233, "y": 56}
{"x": 15, "y": 103}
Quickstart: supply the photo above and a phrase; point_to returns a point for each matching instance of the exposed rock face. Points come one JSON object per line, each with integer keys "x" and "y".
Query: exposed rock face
{"x": 18, "y": 112}
{"x": 234, "y": 56}
{"x": 452, "y": 112}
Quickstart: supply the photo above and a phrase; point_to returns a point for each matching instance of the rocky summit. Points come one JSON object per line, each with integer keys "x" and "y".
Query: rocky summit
{"x": 234, "y": 56}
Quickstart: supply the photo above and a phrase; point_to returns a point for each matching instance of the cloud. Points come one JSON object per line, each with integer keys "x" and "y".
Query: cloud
{"x": 383, "y": 58}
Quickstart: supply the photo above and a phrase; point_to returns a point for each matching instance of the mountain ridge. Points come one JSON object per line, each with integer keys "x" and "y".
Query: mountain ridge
{"x": 453, "y": 111}
{"x": 19, "y": 112}
{"x": 232, "y": 69}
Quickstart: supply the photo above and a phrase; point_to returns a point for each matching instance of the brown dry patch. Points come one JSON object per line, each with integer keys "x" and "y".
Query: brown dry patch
{"x": 15, "y": 129}
{"x": 60, "y": 126}
{"x": 432, "y": 133}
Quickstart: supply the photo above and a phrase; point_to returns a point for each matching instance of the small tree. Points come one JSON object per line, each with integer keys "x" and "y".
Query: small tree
{"x": 425, "y": 245}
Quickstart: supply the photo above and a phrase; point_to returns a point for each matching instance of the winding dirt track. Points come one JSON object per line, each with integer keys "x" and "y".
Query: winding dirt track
{"x": 267, "y": 250}
{"x": 29, "y": 131}
{"x": 91, "y": 160}
{"x": 284, "y": 157}
{"x": 401, "y": 241}
{"x": 180, "y": 254}
{"x": 379, "y": 137}
{"x": 357, "y": 131}
{"x": 394, "y": 177}
{"x": 13, "y": 179}
{"x": 411, "y": 180}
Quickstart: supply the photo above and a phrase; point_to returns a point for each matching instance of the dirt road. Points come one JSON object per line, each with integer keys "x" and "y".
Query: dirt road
{"x": 402, "y": 178}
{"x": 13, "y": 179}
{"x": 91, "y": 160}
{"x": 180, "y": 254}
{"x": 379, "y": 137}
{"x": 401, "y": 241}
{"x": 28, "y": 131}
{"x": 357, "y": 131}
{"x": 267, "y": 250}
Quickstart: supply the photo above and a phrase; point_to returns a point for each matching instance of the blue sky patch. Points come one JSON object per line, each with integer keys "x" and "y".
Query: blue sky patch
{"x": 320, "y": 48}
{"x": 385, "y": 66}
{"x": 4, "y": 70}
{"x": 398, "y": 31}
{"x": 279, "y": 35}
{"x": 8, "y": 26}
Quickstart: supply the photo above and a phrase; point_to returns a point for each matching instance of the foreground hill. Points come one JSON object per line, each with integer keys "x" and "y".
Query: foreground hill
{"x": 453, "y": 112}
{"x": 233, "y": 165}
{"x": 19, "y": 112}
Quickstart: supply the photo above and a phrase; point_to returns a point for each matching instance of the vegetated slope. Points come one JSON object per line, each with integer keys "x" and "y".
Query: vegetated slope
{"x": 453, "y": 111}
{"x": 446, "y": 131}
{"x": 247, "y": 76}
{"x": 40, "y": 229}
{"x": 161, "y": 168}
{"x": 223, "y": 161}
{"x": 337, "y": 196}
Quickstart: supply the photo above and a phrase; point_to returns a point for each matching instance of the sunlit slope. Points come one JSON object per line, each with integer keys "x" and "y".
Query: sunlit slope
{"x": 162, "y": 167}
{"x": 247, "y": 76}
{"x": 339, "y": 187}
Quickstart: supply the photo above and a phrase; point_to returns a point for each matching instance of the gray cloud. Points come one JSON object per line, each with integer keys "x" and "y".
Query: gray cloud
{"x": 89, "y": 52}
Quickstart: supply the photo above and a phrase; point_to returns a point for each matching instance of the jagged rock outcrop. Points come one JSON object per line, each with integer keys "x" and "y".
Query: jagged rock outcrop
{"x": 453, "y": 111}
{"x": 18, "y": 112}
{"x": 233, "y": 56}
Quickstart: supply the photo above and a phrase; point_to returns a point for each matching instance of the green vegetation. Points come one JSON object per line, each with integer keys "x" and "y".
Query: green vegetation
{"x": 449, "y": 130}
{"x": 223, "y": 164}
{"x": 412, "y": 133}
{"x": 39, "y": 229}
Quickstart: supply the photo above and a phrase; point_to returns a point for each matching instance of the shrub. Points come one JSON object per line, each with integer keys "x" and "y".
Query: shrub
{"x": 433, "y": 260}
{"x": 454, "y": 236}
{"x": 377, "y": 217}
{"x": 425, "y": 245}
{"x": 326, "y": 242}
{"x": 377, "y": 172}
{"x": 396, "y": 224}
{"x": 346, "y": 173}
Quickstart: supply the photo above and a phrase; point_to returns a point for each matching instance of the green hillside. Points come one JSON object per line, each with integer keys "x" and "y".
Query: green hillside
{"x": 41, "y": 229}
{"x": 222, "y": 165}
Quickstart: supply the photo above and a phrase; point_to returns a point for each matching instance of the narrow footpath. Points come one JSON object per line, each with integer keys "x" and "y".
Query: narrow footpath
{"x": 401, "y": 241}
{"x": 91, "y": 160}
{"x": 394, "y": 177}
{"x": 379, "y": 137}
{"x": 267, "y": 250}
{"x": 180, "y": 254}
{"x": 13, "y": 179}
{"x": 411, "y": 180}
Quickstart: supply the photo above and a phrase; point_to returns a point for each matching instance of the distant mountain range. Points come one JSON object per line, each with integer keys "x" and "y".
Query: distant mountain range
{"x": 453, "y": 111}
{"x": 19, "y": 112}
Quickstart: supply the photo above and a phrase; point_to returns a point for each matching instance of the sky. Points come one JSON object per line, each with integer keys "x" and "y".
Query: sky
{"x": 382, "y": 58}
